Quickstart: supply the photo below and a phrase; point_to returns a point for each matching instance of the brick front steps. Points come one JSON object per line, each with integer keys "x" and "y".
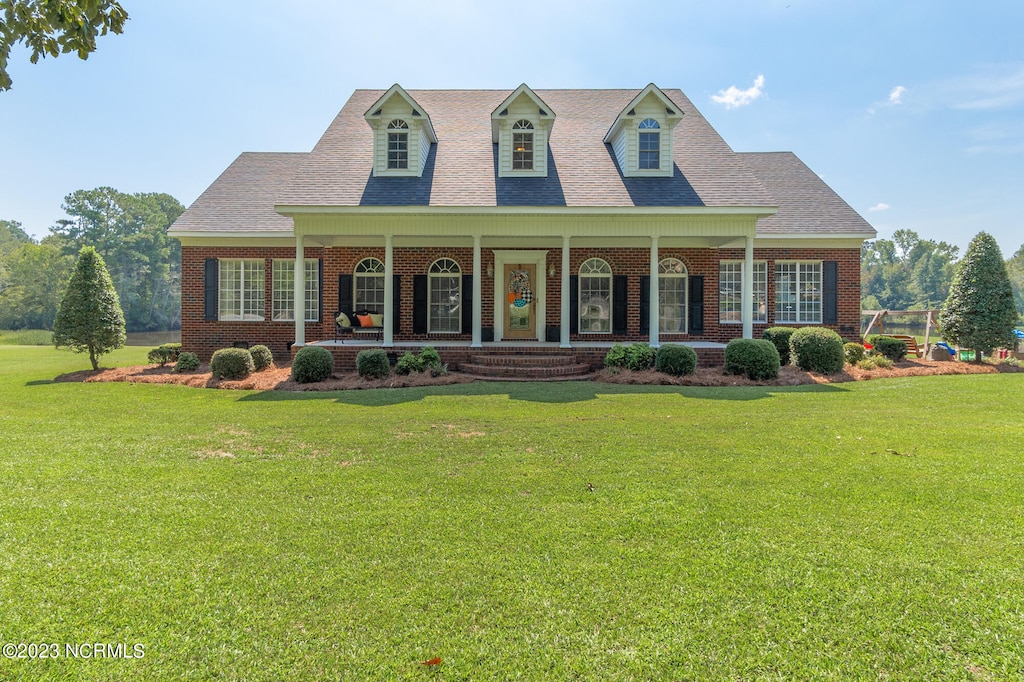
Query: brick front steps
{"x": 520, "y": 367}
{"x": 462, "y": 357}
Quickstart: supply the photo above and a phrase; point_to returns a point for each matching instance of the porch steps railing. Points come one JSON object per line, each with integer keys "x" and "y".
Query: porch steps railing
{"x": 526, "y": 367}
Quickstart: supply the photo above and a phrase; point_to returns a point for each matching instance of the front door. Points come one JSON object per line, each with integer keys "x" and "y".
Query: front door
{"x": 521, "y": 309}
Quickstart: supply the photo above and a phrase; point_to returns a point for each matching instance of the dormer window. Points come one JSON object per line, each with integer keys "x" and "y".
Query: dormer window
{"x": 520, "y": 129}
{"x": 398, "y": 144}
{"x": 649, "y": 144}
{"x": 642, "y": 135}
{"x": 402, "y": 135}
{"x": 522, "y": 145}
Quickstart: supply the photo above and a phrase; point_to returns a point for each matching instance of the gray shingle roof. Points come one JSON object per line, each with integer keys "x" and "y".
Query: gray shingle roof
{"x": 461, "y": 168}
{"x": 242, "y": 198}
{"x": 806, "y": 204}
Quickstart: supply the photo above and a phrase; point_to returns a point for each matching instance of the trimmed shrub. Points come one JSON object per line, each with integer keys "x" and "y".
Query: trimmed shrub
{"x": 894, "y": 349}
{"x": 408, "y": 363}
{"x": 159, "y": 355}
{"x": 429, "y": 358}
{"x": 373, "y": 364}
{"x": 187, "y": 362}
{"x": 875, "y": 362}
{"x": 675, "y": 359}
{"x": 780, "y": 336}
{"x": 817, "y": 349}
{"x": 231, "y": 363}
{"x": 314, "y": 363}
{"x": 640, "y": 356}
{"x": 616, "y": 356}
{"x": 261, "y": 357}
{"x": 853, "y": 352}
{"x": 758, "y": 359}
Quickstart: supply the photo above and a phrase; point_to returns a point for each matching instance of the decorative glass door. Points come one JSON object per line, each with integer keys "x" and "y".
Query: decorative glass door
{"x": 520, "y": 311}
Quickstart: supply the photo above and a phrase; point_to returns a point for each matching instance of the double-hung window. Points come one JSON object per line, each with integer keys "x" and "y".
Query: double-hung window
{"x": 672, "y": 296}
{"x": 369, "y": 285}
{"x": 445, "y": 295}
{"x": 730, "y": 292}
{"x": 798, "y": 292}
{"x": 522, "y": 145}
{"x": 240, "y": 295}
{"x": 649, "y": 139}
{"x": 595, "y": 282}
{"x": 398, "y": 144}
{"x": 283, "y": 304}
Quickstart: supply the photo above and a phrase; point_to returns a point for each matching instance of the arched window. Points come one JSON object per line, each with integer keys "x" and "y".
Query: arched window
{"x": 672, "y": 296}
{"x": 595, "y": 285}
{"x": 368, "y": 289}
{"x": 398, "y": 144}
{"x": 649, "y": 144}
{"x": 522, "y": 145}
{"x": 444, "y": 291}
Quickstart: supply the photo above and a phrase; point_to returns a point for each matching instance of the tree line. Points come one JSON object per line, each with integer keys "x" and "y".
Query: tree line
{"x": 128, "y": 230}
{"x": 911, "y": 273}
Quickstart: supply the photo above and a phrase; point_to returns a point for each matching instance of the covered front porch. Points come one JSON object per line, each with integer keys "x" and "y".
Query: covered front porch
{"x": 549, "y": 251}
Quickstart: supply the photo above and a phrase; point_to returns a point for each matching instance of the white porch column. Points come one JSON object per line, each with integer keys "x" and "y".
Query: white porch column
{"x": 747, "y": 290}
{"x": 300, "y": 291}
{"x": 652, "y": 296}
{"x": 389, "y": 291}
{"x": 478, "y": 288}
{"x": 564, "y": 342}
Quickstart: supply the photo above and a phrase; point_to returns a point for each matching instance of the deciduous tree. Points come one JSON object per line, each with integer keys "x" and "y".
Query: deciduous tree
{"x": 979, "y": 312}
{"x": 90, "y": 317}
{"x": 55, "y": 27}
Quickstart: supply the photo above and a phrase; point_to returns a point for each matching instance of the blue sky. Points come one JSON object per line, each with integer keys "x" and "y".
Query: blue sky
{"x": 912, "y": 111}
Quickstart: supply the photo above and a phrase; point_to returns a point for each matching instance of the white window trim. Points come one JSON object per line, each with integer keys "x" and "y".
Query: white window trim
{"x": 611, "y": 295}
{"x": 431, "y": 277}
{"x": 668, "y": 276}
{"x": 755, "y": 317}
{"x": 243, "y": 289}
{"x": 357, "y": 275}
{"x": 284, "y": 299}
{"x": 800, "y": 291}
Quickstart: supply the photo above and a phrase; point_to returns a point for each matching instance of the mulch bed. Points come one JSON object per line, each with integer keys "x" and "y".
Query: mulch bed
{"x": 279, "y": 378}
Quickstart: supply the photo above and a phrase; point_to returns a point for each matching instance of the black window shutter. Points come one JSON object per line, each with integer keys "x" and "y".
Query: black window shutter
{"x": 696, "y": 304}
{"x": 345, "y": 293}
{"x": 320, "y": 289}
{"x": 574, "y": 304}
{"x": 210, "y": 302}
{"x": 396, "y": 304}
{"x": 419, "y": 304}
{"x": 620, "y": 290}
{"x": 467, "y": 304}
{"x": 645, "y": 304}
{"x": 830, "y": 292}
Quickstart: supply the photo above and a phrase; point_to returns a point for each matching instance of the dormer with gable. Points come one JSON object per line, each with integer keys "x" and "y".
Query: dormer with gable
{"x": 641, "y": 136}
{"x": 521, "y": 127}
{"x": 402, "y": 135}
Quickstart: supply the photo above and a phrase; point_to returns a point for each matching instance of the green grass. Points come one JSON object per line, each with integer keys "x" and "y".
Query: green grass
{"x": 26, "y": 337}
{"x": 859, "y": 531}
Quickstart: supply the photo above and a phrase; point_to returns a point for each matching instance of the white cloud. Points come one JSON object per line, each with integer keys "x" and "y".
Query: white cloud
{"x": 733, "y": 97}
{"x": 880, "y": 206}
{"x": 896, "y": 95}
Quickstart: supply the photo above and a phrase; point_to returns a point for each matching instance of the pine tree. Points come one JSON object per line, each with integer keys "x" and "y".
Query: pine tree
{"x": 90, "y": 317}
{"x": 979, "y": 313}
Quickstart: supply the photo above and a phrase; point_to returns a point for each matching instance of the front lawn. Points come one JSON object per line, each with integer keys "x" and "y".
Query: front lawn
{"x": 868, "y": 530}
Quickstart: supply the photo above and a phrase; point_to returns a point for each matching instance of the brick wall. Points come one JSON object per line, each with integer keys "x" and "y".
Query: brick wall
{"x": 203, "y": 337}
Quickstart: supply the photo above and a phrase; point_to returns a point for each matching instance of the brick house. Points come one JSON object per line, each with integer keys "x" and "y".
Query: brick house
{"x": 469, "y": 219}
